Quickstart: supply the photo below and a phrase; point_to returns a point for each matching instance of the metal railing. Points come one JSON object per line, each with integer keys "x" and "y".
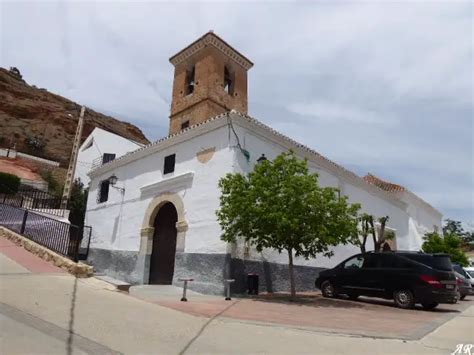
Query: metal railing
{"x": 63, "y": 238}
{"x": 32, "y": 199}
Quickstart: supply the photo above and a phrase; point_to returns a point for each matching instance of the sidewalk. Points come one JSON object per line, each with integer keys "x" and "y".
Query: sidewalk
{"x": 24, "y": 259}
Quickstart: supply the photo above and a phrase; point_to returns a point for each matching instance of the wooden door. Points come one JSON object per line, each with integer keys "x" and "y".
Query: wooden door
{"x": 164, "y": 246}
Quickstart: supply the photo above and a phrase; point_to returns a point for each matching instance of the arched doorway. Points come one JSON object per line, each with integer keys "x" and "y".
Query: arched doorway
{"x": 164, "y": 245}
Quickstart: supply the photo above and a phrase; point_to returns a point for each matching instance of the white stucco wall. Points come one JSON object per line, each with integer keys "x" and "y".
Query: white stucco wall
{"x": 102, "y": 142}
{"x": 373, "y": 201}
{"x": 423, "y": 219}
{"x": 117, "y": 222}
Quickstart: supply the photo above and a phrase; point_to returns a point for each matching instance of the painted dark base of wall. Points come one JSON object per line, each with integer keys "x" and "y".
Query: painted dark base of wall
{"x": 128, "y": 266}
{"x": 273, "y": 277}
{"x": 208, "y": 271}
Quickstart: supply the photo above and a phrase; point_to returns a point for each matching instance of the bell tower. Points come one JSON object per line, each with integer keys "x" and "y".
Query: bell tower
{"x": 210, "y": 78}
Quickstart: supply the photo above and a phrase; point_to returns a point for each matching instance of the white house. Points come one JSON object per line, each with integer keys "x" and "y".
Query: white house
{"x": 153, "y": 210}
{"x": 100, "y": 147}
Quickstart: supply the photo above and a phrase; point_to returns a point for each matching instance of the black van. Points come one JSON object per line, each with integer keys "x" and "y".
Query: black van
{"x": 405, "y": 277}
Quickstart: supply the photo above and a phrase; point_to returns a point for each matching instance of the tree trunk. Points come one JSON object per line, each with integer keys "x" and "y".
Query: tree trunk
{"x": 362, "y": 246}
{"x": 374, "y": 235}
{"x": 381, "y": 234}
{"x": 365, "y": 231}
{"x": 292, "y": 276}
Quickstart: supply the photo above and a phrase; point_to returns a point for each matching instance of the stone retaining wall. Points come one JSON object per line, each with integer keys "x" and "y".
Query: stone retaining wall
{"x": 77, "y": 269}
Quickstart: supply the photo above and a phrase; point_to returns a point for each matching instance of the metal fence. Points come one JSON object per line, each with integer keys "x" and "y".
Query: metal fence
{"x": 63, "y": 238}
{"x": 33, "y": 199}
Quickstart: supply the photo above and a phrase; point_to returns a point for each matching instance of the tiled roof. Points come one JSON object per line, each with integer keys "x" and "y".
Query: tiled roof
{"x": 384, "y": 185}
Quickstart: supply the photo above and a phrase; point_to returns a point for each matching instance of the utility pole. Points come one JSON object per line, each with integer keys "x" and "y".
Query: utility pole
{"x": 73, "y": 160}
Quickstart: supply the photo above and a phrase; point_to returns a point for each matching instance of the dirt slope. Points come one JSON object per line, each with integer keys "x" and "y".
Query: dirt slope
{"x": 31, "y": 117}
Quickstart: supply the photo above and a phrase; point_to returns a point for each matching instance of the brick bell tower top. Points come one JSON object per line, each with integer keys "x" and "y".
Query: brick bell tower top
{"x": 210, "y": 78}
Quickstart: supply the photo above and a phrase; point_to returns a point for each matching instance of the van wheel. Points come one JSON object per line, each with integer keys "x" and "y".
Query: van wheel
{"x": 353, "y": 296}
{"x": 429, "y": 306}
{"x": 404, "y": 299}
{"x": 328, "y": 290}
{"x": 462, "y": 297}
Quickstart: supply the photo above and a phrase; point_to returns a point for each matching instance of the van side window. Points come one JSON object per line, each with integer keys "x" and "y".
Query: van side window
{"x": 354, "y": 263}
{"x": 402, "y": 263}
{"x": 387, "y": 261}
{"x": 370, "y": 261}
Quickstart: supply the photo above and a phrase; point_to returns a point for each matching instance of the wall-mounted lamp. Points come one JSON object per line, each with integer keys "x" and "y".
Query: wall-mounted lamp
{"x": 262, "y": 158}
{"x": 113, "y": 181}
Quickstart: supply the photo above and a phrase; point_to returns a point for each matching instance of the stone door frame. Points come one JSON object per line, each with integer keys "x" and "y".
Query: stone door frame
{"x": 147, "y": 230}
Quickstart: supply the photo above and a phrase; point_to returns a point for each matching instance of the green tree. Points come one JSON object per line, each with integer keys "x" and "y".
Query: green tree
{"x": 449, "y": 243}
{"x": 379, "y": 235}
{"x": 453, "y": 227}
{"x": 77, "y": 203}
{"x": 280, "y": 205}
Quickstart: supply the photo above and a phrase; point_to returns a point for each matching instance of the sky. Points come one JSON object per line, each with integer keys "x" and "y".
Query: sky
{"x": 381, "y": 87}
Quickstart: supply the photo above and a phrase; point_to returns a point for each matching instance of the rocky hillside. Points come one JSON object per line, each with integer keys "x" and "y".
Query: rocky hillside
{"x": 44, "y": 124}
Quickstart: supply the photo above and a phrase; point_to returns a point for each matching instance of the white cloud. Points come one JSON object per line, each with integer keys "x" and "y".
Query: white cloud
{"x": 385, "y": 86}
{"x": 327, "y": 111}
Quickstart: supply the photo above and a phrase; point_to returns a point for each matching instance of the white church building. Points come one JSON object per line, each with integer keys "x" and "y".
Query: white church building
{"x": 98, "y": 148}
{"x": 153, "y": 211}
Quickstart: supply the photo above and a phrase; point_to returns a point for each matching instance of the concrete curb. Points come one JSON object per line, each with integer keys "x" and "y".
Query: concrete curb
{"x": 76, "y": 269}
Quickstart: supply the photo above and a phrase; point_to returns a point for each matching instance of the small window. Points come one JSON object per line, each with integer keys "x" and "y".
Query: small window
{"x": 169, "y": 164}
{"x": 228, "y": 81}
{"x": 185, "y": 124}
{"x": 103, "y": 194}
{"x": 107, "y": 157}
{"x": 190, "y": 74}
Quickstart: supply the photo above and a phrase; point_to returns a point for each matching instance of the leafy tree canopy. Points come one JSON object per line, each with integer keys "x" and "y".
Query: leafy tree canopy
{"x": 449, "y": 243}
{"x": 78, "y": 203}
{"x": 453, "y": 227}
{"x": 280, "y": 205}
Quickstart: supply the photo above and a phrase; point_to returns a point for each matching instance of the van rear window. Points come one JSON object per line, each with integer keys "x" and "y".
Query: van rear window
{"x": 439, "y": 262}
{"x": 442, "y": 263}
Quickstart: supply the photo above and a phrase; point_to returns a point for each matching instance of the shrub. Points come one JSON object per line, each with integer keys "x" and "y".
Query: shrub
{"x": 9, "y": 183}
{"x": 55, "y": 188}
